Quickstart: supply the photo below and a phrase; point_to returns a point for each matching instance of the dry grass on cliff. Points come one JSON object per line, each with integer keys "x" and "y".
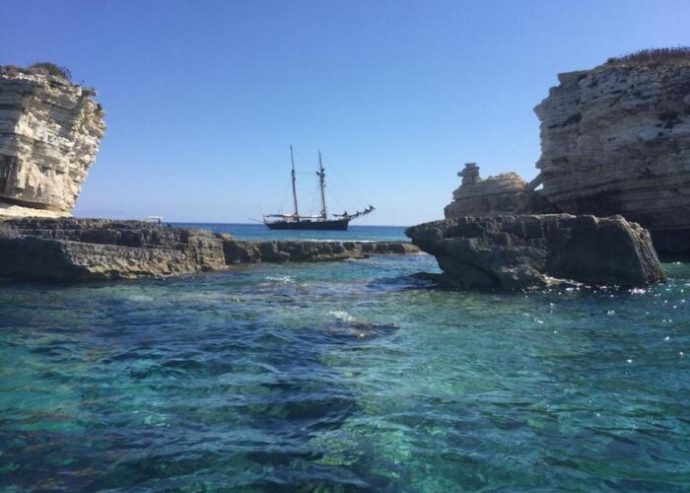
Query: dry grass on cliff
{"x": 39, "y": 68}
{"x": 52, "y": 69}
{"x": 656, "y": 56}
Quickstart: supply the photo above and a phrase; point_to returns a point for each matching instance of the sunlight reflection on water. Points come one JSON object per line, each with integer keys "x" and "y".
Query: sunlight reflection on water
{"x": 342, "y": 377}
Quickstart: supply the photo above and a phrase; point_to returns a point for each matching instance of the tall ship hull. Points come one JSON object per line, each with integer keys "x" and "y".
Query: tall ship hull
{"x": 321, "y": 222}
{"x": 327, "y": 225}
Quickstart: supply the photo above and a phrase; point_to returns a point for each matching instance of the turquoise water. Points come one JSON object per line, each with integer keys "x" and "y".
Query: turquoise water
{"x": 342, "y": 377}
{"x": 261, "y": 232}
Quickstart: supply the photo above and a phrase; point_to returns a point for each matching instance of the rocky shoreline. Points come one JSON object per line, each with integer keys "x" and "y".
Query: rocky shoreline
{"x": 615, "y": 139}
{"x": 69, "y": 249}
{"x": 521, "y": 251}
{"x": 615, "y": 144}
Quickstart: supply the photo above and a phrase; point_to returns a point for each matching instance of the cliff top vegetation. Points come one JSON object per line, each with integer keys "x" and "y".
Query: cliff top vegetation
{"x": 679, "y": 55}
{"x": 38, "y": 68}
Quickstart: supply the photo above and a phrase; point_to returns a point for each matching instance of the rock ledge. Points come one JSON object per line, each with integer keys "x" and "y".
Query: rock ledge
{"x": 91, "y": 249}
{"x": 521, "y": 251}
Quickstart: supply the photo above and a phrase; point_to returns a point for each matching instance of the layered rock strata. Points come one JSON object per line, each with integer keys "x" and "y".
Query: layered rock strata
{"x": 92, "y": 249}
{"x": 279, "y": 251}
{"x": 50, "y": 130}
{"x": 616, "y": 140}
{"x": 515, "y": 252}
{"x": 506, "y": 193}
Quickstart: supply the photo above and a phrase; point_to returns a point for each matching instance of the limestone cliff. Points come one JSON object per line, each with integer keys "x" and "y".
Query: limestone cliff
{"x": 506, "y": 193}
{"x": 616, "y": 140}
{"x": 50, "y": 130}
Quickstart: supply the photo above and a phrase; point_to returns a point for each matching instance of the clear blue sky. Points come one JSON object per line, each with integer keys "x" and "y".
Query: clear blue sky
{"x": 203, "y": 98}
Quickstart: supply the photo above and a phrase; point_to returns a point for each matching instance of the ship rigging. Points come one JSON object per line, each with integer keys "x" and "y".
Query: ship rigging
{"x": 338, "y": 222}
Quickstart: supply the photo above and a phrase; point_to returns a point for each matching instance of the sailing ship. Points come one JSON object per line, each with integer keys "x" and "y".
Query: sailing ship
{"x": 338, "y": 222}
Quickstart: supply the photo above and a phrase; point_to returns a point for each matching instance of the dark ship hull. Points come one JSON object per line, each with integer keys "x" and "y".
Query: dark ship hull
{"x": 321, "y": 225}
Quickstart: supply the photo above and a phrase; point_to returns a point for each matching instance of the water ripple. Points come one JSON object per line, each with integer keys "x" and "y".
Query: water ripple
{"x": 342, "y": 377}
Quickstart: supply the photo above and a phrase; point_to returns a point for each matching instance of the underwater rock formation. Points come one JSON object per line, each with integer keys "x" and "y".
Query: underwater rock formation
{"x": 50, "y": 130}
{"x": 515, "y": 252}
{"x": 616, "y": 140}
{"x": 89, "y": 249}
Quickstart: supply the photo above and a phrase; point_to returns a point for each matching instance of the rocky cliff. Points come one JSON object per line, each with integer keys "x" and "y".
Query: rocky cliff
{"x": 515, "y": 252}
{"x": 616, "y": 140}
{"x": 91, "y": 249}
{"x": 506, "y": 193}
{"x": 50, "y": 129}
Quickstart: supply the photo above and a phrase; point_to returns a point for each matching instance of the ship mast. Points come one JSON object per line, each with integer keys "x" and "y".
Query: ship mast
{"x": 322, "y": 184}
{"x": 294, "y": 189}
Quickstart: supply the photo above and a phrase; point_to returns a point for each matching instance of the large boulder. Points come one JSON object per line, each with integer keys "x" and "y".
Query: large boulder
{"x": 521, "y": 251}
{"x": 50, "y": 130}
{"x": 616, "y": 140}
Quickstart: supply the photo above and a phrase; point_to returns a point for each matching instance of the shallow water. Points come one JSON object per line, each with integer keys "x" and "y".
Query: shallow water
{"x": 350, "y": 376}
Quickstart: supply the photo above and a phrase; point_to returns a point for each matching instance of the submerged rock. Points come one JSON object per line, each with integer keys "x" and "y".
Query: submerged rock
{"x": 82, "y": 249}
{"x": 520, "y": 251}
{"x": 50, "y": 130}
{"x": 616, "y": 140}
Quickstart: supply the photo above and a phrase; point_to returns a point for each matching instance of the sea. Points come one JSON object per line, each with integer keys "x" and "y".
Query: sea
{"x": 354, "y": 376}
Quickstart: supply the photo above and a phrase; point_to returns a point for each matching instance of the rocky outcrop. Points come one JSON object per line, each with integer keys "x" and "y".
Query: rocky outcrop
{"x": 502, "y": 194}
{"x": 80, "y": 249}
{"x": 91, "y": 249}
{"x": 50, "y": 131}
{"x": 247, "y": 251}
{"x": 616, "y": 140}
{"x": 514, "y": 252}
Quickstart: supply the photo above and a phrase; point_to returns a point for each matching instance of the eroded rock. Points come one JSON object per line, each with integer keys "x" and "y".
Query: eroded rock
{"x": 87, "y": 249}
{"x": 521, "y": 251}
{"x": 82, "y": 249}
{"x": 505, "y": 193}
{"x": 50, "y": 130}
{"x": 616, "y": 140}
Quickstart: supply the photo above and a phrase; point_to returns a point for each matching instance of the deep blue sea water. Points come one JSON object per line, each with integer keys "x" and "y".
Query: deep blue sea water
{"x": 342, "y": 377}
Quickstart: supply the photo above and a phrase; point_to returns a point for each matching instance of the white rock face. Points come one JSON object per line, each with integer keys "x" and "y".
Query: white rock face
{"x": 50, "y": 130}
{"x": 616, "y": 140}
{"x": 506, "y": 193}
{"x": 15, "y": 211}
